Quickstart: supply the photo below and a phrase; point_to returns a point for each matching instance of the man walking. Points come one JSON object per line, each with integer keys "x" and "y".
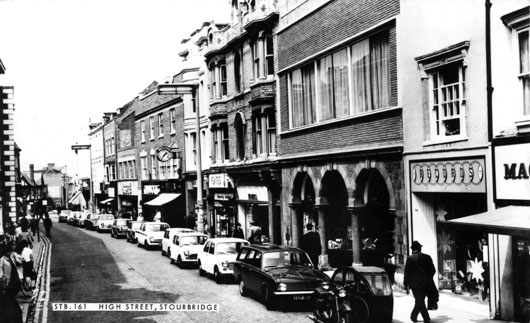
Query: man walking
{"x": 310, "y": 243}
{"x": 47, "y": 224}
{"x": 419, "y": 270}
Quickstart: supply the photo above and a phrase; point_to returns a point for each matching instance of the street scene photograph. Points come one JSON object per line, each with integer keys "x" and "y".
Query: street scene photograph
{"x": 327, "y": 161}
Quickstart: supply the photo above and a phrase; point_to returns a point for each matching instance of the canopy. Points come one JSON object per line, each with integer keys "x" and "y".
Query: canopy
{"x": 77, "y": 198}
{"x": 162, "y": 199}
{"x": 510, "y": 220}
{"x": 107, "y": 201}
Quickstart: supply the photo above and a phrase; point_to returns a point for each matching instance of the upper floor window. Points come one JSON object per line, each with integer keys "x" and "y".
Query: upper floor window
{"x": 240, "y": 137}
{"x": 353, "y": 80}
{"x": 153, "y": 167}
{"x": 143, "y": 165}
{"x": 142, "y": 130}
{"x": 263, "y": 56}
{"x": 256, "y": 58}
{"x": 194, "y": 147}
{"x": 151, "y": 128}
{"x": 160, "y": 124}
{"x": 213, "y": 83}
{"x": 220, "y": 146}
{"x": 238, "y": 72}
{"x": 524, "y": 68}
{"x": 269, "y": 55}
{"x": 223, "y": 80}
{"x": 264, "y": 132}
{"x": 173, "y": 121}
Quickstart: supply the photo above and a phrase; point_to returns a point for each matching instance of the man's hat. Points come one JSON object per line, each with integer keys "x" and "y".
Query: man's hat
{"x": 415, "y": 245}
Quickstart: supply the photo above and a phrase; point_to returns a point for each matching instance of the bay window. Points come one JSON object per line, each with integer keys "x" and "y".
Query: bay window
{"x": 223, "y": 80}
{"x": 264, "y": 132}
{"x": 524, "y": 68}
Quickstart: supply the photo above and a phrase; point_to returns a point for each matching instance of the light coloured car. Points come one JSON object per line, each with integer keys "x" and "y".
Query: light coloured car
{"x": 71, "y": 217}
{"x": 91, "y": 221}
{"x": 63, "y": 216}
{"x": 105, "y": 222}
{"x": 217, "y": 254}
{"x": 150, "y": 234}
{"x": 168, "y": 238}
{"x": 185, "y": 248}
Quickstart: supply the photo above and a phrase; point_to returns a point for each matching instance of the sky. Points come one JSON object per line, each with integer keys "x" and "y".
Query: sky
{"x": 72, "y": 60}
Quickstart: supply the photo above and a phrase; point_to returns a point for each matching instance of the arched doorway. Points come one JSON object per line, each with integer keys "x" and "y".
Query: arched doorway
{"x": 337, "y": 219}
{"x": 376, "y": 221}
{"x": 304, "y": 193}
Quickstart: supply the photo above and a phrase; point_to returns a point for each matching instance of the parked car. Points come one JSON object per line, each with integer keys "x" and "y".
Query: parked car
{"x": 368, "y": 292}
{"x": 105, "y": 222}
{"x": 168, "y": 238}
{"x": 63, "y": 216}
{"x": 277, "y": 274}
{"x": 71, "y": 217}
{"x": 217, "y": 253}
{"x": 131, "y": 230}
{"x": 119, "y": 228}
{"x": 91, "y": 221}
{"x": 150, "y": 234}
{"x": 185, "y": 247}
{"x": 79, "y": 220}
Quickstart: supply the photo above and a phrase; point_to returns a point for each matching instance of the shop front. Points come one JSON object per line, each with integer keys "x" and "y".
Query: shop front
{"x": 128, "y": 199}
{"x": 253, "y": 209}
{"x": 161, "y": 201}
{"x": 223, "y": 214}
{"x": 443, "y": 190}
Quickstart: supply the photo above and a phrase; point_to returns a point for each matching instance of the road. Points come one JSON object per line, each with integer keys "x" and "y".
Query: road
{"x": 91, "y": 267}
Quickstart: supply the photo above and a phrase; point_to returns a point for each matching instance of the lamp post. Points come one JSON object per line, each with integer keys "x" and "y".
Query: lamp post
{"x": 184, "y": 89}
{"x": 76, "y": 148}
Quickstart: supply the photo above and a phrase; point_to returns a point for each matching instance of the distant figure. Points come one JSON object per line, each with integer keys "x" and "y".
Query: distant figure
{"x": 310, "y": 243}
{"x": 238, "y": 232}
{"x": 140, "y": 217}
{"x": 34, "y": 225}
{"x": 255, "y": 233}
{"x": 158, "y": 216}
{"x": 419, "y": 270}
{"x": 47, "y": 224}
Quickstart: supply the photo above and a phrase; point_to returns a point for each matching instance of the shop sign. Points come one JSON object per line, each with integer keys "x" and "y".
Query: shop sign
{"x": 111, "y": 191}
{"x": 223, "y": 196}
{"x": 456, "y": 176}
{"x": 253, "y": 193}
{"x": 512, "y": 172}
{"x": 128, "y": 188}
{"x": 151, "y": 190}
{"x": 218, "y": 181}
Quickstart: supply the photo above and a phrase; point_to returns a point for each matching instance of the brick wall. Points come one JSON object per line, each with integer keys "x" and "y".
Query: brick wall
{"x": 7, "y": 158}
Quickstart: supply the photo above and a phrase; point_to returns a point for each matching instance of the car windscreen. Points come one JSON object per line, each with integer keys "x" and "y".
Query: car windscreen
{"x": 106, "y": 217}
{"x": 193, "y": 240}
{"x": 285, "y": 259}
{"x": 379, "y": 283}
{"x": 156, "y": 227}
{"x": 121, "y": 222}
{"x": 228, "y": 247}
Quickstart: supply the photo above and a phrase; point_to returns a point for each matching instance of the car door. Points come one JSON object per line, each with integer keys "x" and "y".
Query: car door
{"x": 203, "y": 256}
{"x": 210, "y": 257}
{"x": 254, "y": 270}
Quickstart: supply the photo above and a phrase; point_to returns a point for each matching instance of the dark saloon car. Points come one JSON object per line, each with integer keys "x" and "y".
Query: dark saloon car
{"x": 119, "y": 228}
{"x": 91, "y": 221}
{"x": 368, "y": 292}
{"x": 132, "y": 226}
{"x": 276, "y": 274}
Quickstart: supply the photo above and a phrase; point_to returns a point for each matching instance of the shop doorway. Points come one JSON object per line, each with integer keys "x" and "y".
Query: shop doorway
{"x": 305, "y": 191}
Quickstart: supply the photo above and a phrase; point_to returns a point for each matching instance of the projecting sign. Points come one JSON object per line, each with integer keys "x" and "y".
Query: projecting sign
{"x": 218, "y": 181}
{"x": 512, "y": 172}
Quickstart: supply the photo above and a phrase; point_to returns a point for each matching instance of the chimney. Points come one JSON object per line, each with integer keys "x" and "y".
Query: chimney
{"x": 32, "y": 173}
{"x": 51, "y": 166}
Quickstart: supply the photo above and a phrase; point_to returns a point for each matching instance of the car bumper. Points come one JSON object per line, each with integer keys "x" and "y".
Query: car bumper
{"x": 192, "y": 259}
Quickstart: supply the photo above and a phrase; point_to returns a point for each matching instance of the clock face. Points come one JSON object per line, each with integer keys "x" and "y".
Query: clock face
{"x": 163, "y": 154}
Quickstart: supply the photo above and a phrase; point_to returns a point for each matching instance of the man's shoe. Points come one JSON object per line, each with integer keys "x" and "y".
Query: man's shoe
{"x": 413, "y": 319}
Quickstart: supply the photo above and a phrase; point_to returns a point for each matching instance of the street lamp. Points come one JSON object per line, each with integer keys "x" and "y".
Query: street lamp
{"x": 76, "y": 148}
{"x": 185, "y": 89}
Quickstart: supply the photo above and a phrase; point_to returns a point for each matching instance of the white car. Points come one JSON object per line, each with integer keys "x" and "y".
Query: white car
{"x": 216, "y": 254}
{"x": 150, "y": 234}
{"x": 185, "y": 247}
{"x": 168, "y": 238}
{"x": 105, "y": 222}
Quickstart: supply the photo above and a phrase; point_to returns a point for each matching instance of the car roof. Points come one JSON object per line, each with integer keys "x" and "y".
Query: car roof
{"x": 190, "y": 234}
{"x": 221, "y": 240}
{"x": 156, "y": 223}
{"x": 365, "y": 269}
{"x": 177, "y": 229}
{"x": 272, "y": 247}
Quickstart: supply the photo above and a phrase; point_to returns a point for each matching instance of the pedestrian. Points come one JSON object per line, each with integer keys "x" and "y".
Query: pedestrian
{"x": 238, "y": 232}
{"x": 25, "y": 236}
{"x": 255, "y": 233}
{"x": 34, "y": 225}
{"x": 310, "y": 243}
{"x": 140, "y": 217}
{"x": 419, "y": 270}
{"x": 47, "y": 224}
{"x": 10, "y": 285}
{"x": 27, "y": 265}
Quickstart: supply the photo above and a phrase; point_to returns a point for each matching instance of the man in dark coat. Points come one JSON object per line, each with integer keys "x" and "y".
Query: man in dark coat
{"x": 419, "y": 270}
{"x": 238, "y": 232}
{"x": 47, "y": 224}
{"x": 255, "y": 233}
{"x": 310, "y": 243}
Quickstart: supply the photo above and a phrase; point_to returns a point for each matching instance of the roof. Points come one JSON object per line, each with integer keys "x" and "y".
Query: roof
{"x": 221, "y": 240}
{"x": 273, "y": 247}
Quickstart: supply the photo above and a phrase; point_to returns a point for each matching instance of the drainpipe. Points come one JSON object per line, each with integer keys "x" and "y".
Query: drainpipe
{"x": 489, "y": 87}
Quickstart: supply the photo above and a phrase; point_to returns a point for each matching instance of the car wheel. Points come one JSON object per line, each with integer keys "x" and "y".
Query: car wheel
{"x": 242, "y": 288}
{"x": 201, "y": 271}
{"x": 217, "y": 275}
{"x": 179, "y": 262}
{"x": 145, "y": 245}
{"x": 162, "y": 251}
{"x": 270, "y": 302}
{"x": 171, "y": 260}
{"x": 168, "y": 251}
{"x": 139, "y": 245}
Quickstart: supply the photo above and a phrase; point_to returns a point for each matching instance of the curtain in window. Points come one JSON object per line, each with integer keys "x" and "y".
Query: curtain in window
{"x": 340, "y": 83}
{"x": 380, "y": 71}
{"x": 297, "y": 98}
{"x": 524, "y": 57}
{"x": 325, "y": 87}
{"x": 308, "y": 79}
{"x": 361, "y": 77}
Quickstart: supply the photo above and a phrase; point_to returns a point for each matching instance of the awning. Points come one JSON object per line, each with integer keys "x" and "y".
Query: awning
{"x": 510, "y": 220}
{"x": 107, "y": 201}
{"x": 163, "y": 199}
{"x": 77, "y": 198}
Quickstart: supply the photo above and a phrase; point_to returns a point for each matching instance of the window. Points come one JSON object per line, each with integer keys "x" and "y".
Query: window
{"x": 213, "y": 84}
{"x": 215, "y": 144}
{"x": 223, "y": 81}
{"x": 142, "y": 130}
{"x": 173, "y": 121}
{"x": 524, "y": 68}
{"x": 271, "y": 132}
{"x": 225, "y": 142}
{"x": 143, "y": 164}
{"x": 153, "y": 167}
{"x": 160, "y": 124}
{"x": 269, "y": 55}
{"x": 256, "y": 59}
{"x": 240, "y": 137}
{"x": 264, "y": 136}
{"x": 151, "y": 128}
{"x": 333, "y": 84}
{"x": 194, "y": 145}
{"x": 447, "y": 101}
{"x": 302, "y": 93}
{"x": 238, "y": 72}
{"x": 162, "y": 170}
{"x": 258, "y": 135}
